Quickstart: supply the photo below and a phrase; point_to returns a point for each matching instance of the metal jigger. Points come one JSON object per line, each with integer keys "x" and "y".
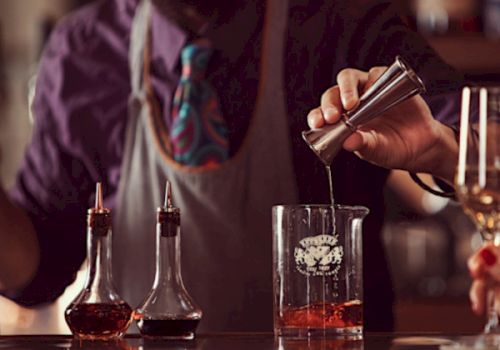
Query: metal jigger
{"x": 398, "y": 83}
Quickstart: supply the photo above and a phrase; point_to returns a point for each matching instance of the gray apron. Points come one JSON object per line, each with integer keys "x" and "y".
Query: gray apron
{"x": 226, "y": 233}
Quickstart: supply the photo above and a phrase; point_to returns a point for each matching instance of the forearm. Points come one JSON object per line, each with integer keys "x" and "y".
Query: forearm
{"x": 19, "y": 252}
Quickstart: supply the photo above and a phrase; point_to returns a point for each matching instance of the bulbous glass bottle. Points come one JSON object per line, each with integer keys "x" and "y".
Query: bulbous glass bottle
{"x": 98, "y": 312}
{"x": 168, "y": 311}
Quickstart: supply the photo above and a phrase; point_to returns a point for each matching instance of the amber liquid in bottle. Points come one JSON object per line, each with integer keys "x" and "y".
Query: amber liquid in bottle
{"x": 482, "y": 203}
{"x": 98, "y": 320}
{"x": 327, "y": 315}
{"x": 98, "y": 312}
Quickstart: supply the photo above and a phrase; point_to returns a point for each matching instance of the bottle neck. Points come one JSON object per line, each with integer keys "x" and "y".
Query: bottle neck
{"x": 99, "y": 260}
{"x": 168, "y": 258}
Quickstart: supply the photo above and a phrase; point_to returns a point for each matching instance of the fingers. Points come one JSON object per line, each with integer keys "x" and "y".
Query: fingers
{"x": 484, "y": 268}
{"x": 490, "y": 258}
{"x": 349, "y": 81}
{"x": 480, "y": 297}
{"x": 484, "y": 263}
{"x": 344, "y": 96}
{"x": 331, "y": 105}
{"x": 477, "y": 296}
{"x": 329, "y": 111}
{"x": 476, "y": 266}
{"x": 496, "y": 301}
{"x": 373, "y": 74}
{"x": 315, "y": 118}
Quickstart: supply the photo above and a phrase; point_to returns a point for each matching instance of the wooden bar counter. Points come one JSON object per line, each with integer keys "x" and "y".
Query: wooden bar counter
{"x": 244, "y": 341}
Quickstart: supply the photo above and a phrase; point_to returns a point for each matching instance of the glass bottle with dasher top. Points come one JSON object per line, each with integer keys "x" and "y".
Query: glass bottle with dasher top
{"x": 168, "y": 311}
{"x": 98, "y": 312}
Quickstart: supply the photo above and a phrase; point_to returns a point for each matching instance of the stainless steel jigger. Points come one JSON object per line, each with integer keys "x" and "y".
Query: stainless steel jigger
{"x": 398, "y": 83}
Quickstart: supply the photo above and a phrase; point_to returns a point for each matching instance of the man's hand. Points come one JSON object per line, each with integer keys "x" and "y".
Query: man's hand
{"x": 484, "y": 269}
{"x": 405, "y": 137}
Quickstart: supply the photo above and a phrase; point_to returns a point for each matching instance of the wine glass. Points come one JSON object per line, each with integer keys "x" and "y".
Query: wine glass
{"x": 477, "y": 179}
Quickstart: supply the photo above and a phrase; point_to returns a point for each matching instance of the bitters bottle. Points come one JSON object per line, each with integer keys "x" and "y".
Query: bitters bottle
{"x": 168, "y": 311}
{"x": 98, "y": 312}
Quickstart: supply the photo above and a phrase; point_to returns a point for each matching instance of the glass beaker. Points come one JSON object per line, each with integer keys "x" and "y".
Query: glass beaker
{"x": 317, "y": 267}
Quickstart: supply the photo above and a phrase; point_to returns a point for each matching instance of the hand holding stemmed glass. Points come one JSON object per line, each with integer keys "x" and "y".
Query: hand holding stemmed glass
{"x": 477, "y": 179}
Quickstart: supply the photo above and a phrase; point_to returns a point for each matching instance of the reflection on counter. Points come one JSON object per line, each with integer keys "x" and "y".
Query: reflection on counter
{"x": 256, "y": 341}
{"x": 116, "y": 344}
{"x": 243, "y": 341}
{"x": 318, "y": 344}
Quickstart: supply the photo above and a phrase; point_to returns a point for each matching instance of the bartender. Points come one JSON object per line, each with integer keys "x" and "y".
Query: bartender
{"x": 111, "y": 105}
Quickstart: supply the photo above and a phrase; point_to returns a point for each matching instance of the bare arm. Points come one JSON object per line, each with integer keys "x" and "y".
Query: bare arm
{"x": 19, "y": 252}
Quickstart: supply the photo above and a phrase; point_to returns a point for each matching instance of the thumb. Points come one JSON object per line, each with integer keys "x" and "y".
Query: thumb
{"x": 363, "y": 143}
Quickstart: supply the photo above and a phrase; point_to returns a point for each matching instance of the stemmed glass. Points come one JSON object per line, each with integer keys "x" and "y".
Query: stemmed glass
{"x": 477, "y": 179}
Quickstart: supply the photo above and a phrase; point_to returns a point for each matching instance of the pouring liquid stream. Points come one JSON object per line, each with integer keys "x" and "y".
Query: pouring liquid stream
{"x": 330, "y": 184}
{"x": 332, "y": 200}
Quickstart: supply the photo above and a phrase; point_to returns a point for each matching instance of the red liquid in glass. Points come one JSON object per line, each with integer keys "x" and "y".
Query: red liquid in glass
{"x": 327, "y": 315}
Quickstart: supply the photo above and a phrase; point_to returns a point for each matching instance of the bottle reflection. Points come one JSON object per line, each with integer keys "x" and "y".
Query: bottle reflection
{"x": 156, "y": 344}
{"x": 115, "y": 344}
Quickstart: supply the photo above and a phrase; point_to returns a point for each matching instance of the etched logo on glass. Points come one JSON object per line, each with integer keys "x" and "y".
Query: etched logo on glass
{"x": 319, "y": 255}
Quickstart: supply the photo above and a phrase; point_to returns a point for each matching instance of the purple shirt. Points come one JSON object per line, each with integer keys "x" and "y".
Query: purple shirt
{"x": 81, "y": 112}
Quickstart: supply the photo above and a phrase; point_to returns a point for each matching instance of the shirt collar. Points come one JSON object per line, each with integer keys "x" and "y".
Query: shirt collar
{"x": 168, "y": 39}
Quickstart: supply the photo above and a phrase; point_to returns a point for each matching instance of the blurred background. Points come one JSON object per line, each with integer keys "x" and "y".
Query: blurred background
{"x": 428, "y": 239}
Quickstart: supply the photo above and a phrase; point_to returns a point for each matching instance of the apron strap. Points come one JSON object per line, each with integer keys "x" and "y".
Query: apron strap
{"x": 138, "y": 42}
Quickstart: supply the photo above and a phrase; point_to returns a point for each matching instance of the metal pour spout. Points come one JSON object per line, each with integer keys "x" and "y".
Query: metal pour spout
{"x": 168, "y": 196}
{"x": 98, "y": 197}
{"x": 398, "y": 83}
